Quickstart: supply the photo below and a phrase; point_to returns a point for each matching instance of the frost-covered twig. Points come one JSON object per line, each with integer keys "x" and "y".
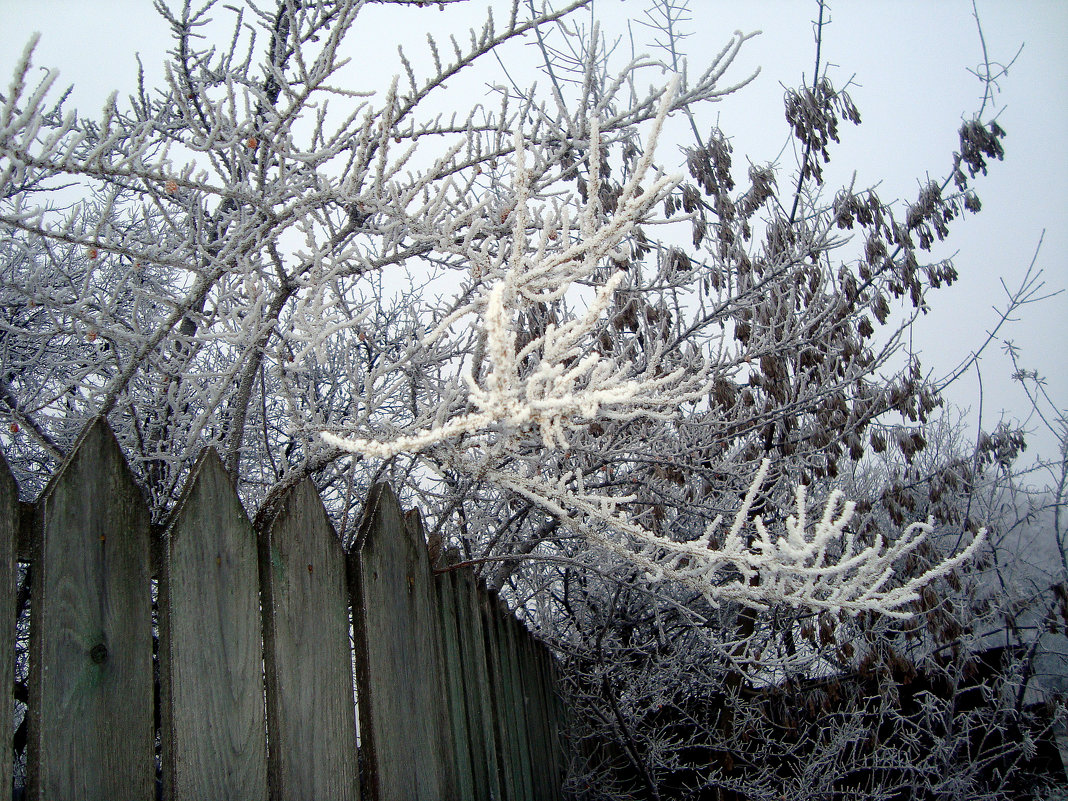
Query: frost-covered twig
{"x": 554, "y": 383}
{"x": 817, "y": 566}
{"x": 569, "y": 383}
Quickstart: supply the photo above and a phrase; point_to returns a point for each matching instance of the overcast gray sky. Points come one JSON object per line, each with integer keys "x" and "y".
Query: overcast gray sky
{"x": 908, "y": 60}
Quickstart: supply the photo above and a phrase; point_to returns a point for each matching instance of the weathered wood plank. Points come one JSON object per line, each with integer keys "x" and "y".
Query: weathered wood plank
{"x": 503, "y": 711}
{"x": 517, "y": 699}
{"x": 479, "y": 695}
{"x": 401, "y": 705}
{"x": 213, "y": 731}
{"x": 558, "y": 720}
{"x": 550, "y": 726}
{"x": 456, "y": 686}
{"x": 9, "y": 521}
{"x": 547, "y": 691}
{"x": 547, "y": 745}
{"x": 91, "y": 728}
{"x": 310, "y": 707}
{"x": 536, "y": 724}
{"x": 413, "y": 523}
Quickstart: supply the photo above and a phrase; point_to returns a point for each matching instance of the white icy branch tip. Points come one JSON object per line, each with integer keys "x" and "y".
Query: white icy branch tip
{"x": 555, "y": 382}
{"x": 819, "y": 566}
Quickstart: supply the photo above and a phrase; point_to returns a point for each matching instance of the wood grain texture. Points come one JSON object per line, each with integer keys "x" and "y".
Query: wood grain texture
{"x": 457, "y": 686}
{"x": 9, "y": 521}
{"x": 401, "y": 702}
{"x": 478, "y": 697}
{"x": 308, "y": 656}
{"x": 516, "y": 695}
{"x": 91, "y": 728}
{"x": 210, "y": 645}
{"x": 502, "y": 714}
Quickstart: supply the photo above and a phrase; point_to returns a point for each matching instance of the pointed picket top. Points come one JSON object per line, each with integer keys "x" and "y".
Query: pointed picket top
{"x": 208, "y": 472}
{"x": 208, "y": 467}
{"x": 380, "y": 501}
{"x": 310, "y": 716}
{"x": 8, "y": 486}
{"x": 97, "y": 441}
{"x": 210, "y": 644}
{"x": 402, "y": 706}
{"x": 91, "y": 728}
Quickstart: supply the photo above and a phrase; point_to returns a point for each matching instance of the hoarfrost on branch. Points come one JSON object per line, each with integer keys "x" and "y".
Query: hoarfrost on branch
{"x": 571, "y": 384}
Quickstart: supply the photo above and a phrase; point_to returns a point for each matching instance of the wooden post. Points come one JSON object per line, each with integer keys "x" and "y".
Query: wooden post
{"x": 9, "y": 518}
{"x": 310, "y": 707}
{"x": 401, "y": 703}
{"x": 91, "y": 728}
{"x": 213, "y": 731}
{"x": 457, "y": 686}
{"x": 479, "y": 697}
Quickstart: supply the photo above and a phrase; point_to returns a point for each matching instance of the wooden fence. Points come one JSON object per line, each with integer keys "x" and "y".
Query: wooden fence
{"x": 256, "y": 654}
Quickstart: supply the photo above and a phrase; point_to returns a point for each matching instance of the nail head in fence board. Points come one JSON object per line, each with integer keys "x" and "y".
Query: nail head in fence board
{"x": 91, "y": 729}
{"x": 310, "y": 709}
{"x": 210, "y": 648}
{"x": 9, "y": 521}
{"x": 398, "y": 681}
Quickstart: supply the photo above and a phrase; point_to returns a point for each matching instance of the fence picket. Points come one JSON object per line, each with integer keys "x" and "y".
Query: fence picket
{"x": 502, "y": 713}
{"x": 516, "y": 694}
{"x": 479, "y": 699}
{"x": 9, "y": 517}
{"x": 539, "y": 755}
{"x": 398, "y": 676}
{"x": 558, "y": 715}
{"x": 91, "y": 722}
{"x": 554, "y": 718}
{"x": 456, "y": 685}
{"x": 210, "y": 657}
{"x": 255, "y": 667}
{"x": 312, "y": 730}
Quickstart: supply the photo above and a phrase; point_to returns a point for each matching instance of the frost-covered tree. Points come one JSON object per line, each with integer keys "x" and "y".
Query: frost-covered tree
{"x": 231, "y": 276}
{"x": 610, "y": 378}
